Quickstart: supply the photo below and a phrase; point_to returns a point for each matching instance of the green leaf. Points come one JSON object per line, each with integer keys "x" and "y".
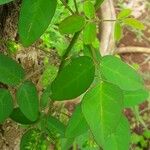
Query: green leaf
{"x": 75, "y": 79}
{"x": 4, "y": 1}
{"x": 28, "y": 102}
{"x": 33, "y": 140}
{"x": 66, "y": 143}
{"x": 118, "y": 32}
{"x": 6, "y": 104}
{"x": 120, "y": 139}
{"x": 77, "y": 124}
{"x": 54, "y": 126}
{"x": 89, "y": 33}
{"x": 147, "y": 134}
{"x": 86, "y": 142}
{"x": 87, "y": 50}
{"x": 133, "y": 98}
{"x": 19, "y": 117}
{"x": 35, "y": 17}
{"x": 98, "y": 3}
{"x": 134, "y": 23}
{"x": 117, "y": 72}
{"x": 89, "y": 9}
{"x": 135, "y": 138}
{"x": 49, "y": 74}
{"x": 72, "y": 24}
{"x": 102, "y": 108}
{"x": 124, "y": 13}
{"x": 45, "y": 97}
{"x": 11, "y": 72}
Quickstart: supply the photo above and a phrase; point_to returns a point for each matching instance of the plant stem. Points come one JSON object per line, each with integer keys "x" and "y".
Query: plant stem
{"x": 95, "y": 56}
{"x": 76, "y": 7}
{"x": 108, "y": 20}
{"x": 74, "y": 146}
{"x": 29, "y": 76}
{"x": 73, "y": 41}
{"x": 66, "y": 5}
{"x": 138, "y": 117}
{"x": 105, "y": 20}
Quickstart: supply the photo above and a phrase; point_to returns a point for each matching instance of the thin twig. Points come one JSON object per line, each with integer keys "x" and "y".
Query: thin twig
{"x": 132, "y": 49}
{"x": 109, "y": 20}
{"x": 75, "y": 37}
{"x": 66, "y": 5}
{"x": 34, "y": 73}
{"x": 76, "y": 7}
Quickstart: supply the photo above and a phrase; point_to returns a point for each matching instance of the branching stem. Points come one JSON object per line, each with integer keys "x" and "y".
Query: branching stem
{"x": 73, "y": 41}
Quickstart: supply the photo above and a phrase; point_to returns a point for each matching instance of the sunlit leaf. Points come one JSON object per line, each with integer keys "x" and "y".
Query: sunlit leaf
{"x": 124, "y": 13}
{"x": 118, "y": 32}
{"x": 133, "y": 98}
{"x": 102, "y": 108}
{"x": 117, "y": 72}
{"x": 89, "y": 33}
{"x": 89, "y": 9}
{"x": 120, "y": 139}
{"x": 134, "y": 23}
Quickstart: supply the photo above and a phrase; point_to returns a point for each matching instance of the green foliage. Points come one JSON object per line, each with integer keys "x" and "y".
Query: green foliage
{"x": 48, "y": 75}
{"x": 98, "y": 3}
{"x": 4, "y": 1}
{"x": 89, "y": 33}
{"x": 45, "y": 97}
{"x": 6, "y": 104}
{"x": 77, "y": 124}
{"x": 118, "y": 33}
{"x": 33, "y": 139}
{"x": 120, "y": 139}
{"x": 124, "y": 13}
{"x": 119, "y": 74}
{"x": 33, "y": 22}
{"x": 27, "y": 99}
{"x": 89, "y": 9}
{"x": 72, "y": 24}
{"x": 124, "y": 19}
{"x": 19, "y": 117}
{"x": 102, "y": 108}
{"x": 12, "y": 47}
{"x": 86, "y": 142}
{"x": 106, "y": 84}
{"x": 147, "y": 134}
{"x": 141, "y": 141}
{"x": 133, "y": 98}
{"x": 11, "y": 72}
{"x": 71, "y": 79}
{"x": 134, "y": 23}
{"x": 65, "y": 143}
{"x": 55, "y": 127}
